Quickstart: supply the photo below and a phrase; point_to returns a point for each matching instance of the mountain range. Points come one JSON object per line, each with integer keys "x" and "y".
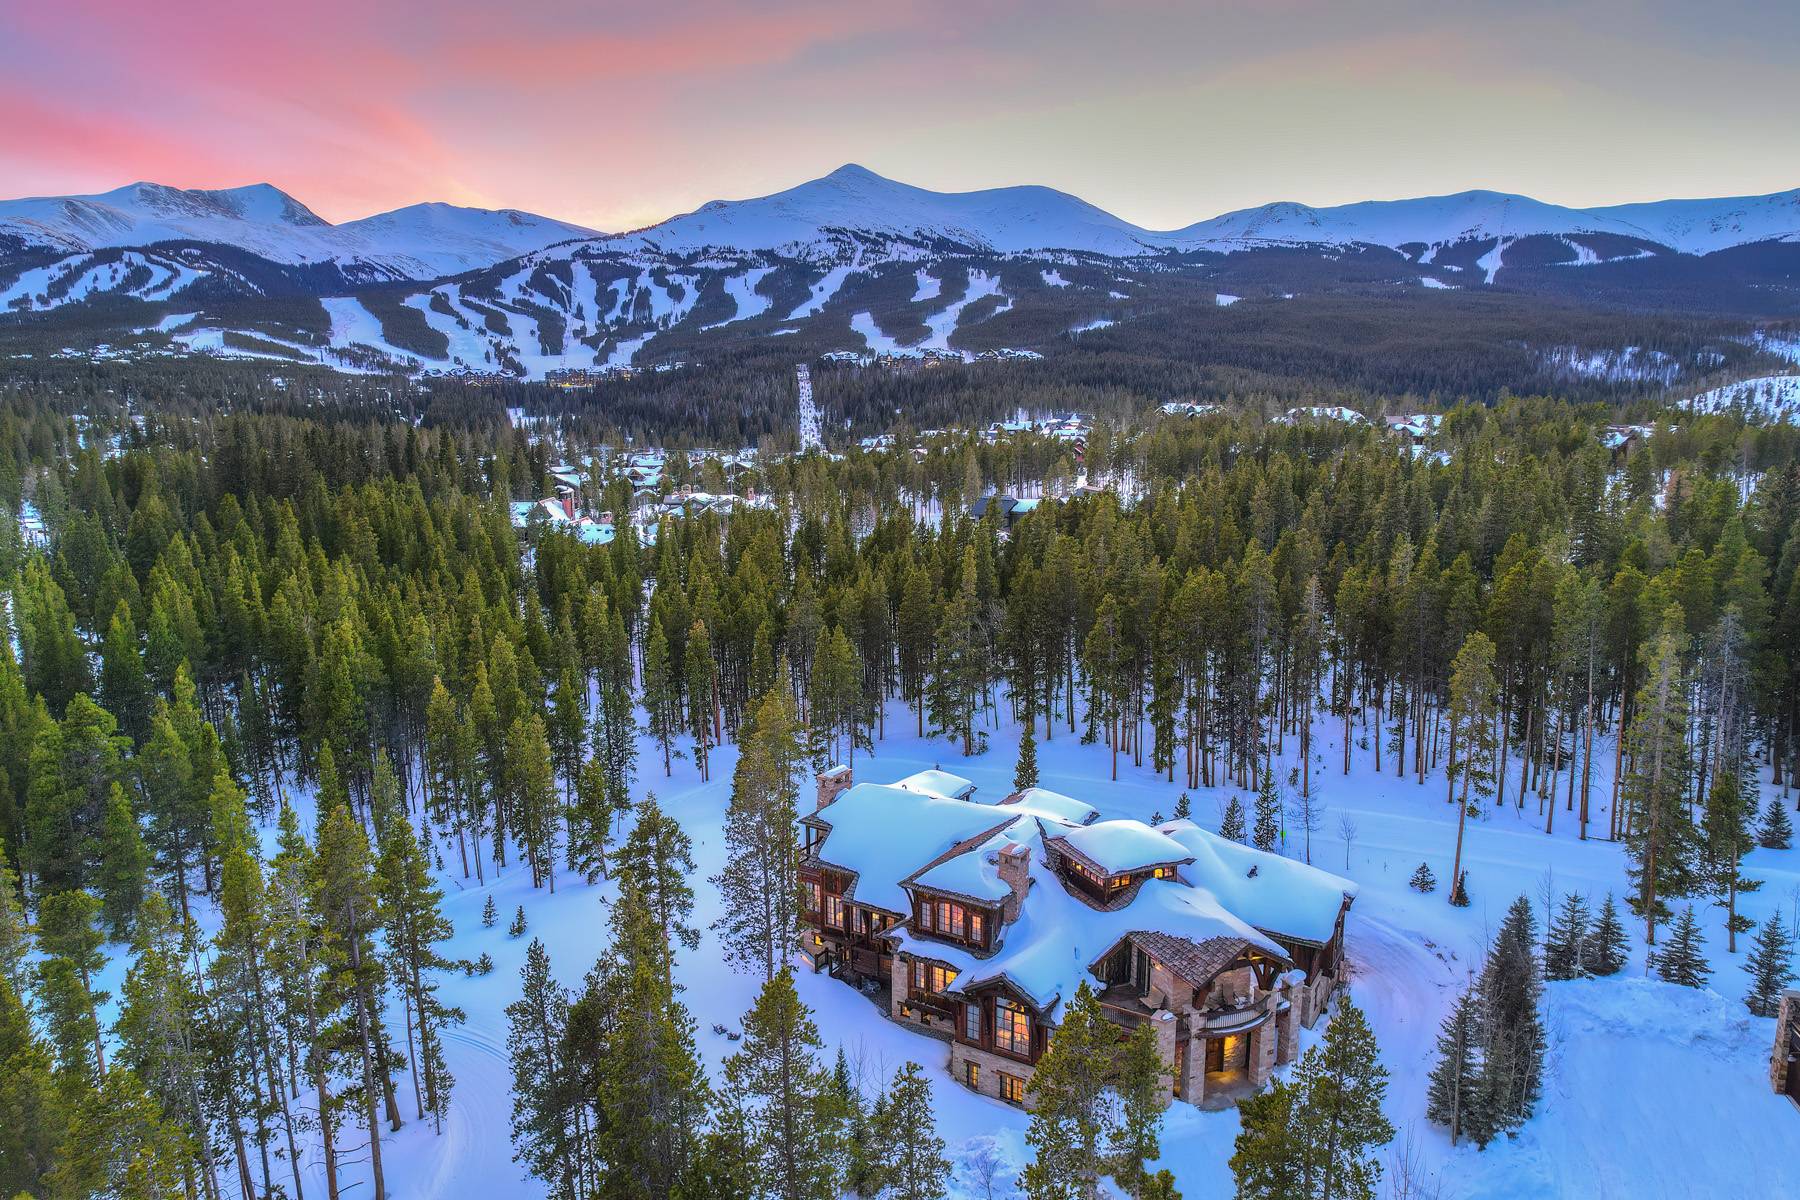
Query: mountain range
{"x": 855, "y": 261}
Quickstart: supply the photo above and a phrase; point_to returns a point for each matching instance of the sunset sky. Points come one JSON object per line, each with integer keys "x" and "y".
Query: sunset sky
{"x": 615, "y": 115}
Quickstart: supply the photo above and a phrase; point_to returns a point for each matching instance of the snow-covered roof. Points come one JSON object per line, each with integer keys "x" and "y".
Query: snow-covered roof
{"x": 934, "y": 782}
{"x": 1045, "y": 803}
{"x": 1284, "y": 897}
{"x": 883, "y": 833}
{"x": 1058, "y": 937}
{"x": 1225, "y": 897}
{"x": 1119, "y": 847}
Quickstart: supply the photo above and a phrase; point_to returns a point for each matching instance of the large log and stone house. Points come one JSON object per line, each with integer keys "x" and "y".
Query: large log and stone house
{"x": 976, "y": 922}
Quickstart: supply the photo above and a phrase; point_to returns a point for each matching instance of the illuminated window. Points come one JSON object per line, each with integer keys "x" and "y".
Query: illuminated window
{"x": 975, "y": 924}
{"x": 834, "y": 911}
{"x": 1165, "y": 872}
{"x": 1119, "y": 881}
{"x": 812, "y": 896}
{"x": 931, "y": 978}
{"x": 972, "y": 1074}
{"x": 1012, "y": 1088}
{"x": 1012, "y": 1027}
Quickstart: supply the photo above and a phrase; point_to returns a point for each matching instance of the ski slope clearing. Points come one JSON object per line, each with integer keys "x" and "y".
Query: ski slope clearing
{"x": 1767, "y": 398}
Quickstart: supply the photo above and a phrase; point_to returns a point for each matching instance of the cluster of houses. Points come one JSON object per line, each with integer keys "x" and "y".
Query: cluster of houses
{"x": 976, "y": 923}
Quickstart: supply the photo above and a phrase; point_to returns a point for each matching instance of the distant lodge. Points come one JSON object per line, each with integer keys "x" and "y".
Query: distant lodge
{"x": 979, "y": 921}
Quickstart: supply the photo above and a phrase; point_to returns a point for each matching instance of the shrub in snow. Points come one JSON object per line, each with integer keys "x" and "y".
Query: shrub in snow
{"x": 1777, "y": 831}
{"x": 518, "y": 923}
{"x": 481, "y": 966}
{"x": 1423, "y": 880}
{"x": 1681, "y": 961}
{"x": 1603, "y": 950}
{"x": 1459, "y": 894}
{"x": 488, "y": 916}
{"x": 1184, "y": 810}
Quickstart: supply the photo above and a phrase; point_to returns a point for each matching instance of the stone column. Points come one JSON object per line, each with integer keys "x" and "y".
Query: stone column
{"x": 1166, "y": 1028}
{"x": 1261, "y": 1063}
{"x": 1787, "y": 1018}
{"x": 1287, "y": 1025}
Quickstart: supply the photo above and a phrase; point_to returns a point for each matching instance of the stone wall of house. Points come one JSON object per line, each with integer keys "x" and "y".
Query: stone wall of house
{"x": 1787, "y": 1017}
{"x": 991, "y": 1067}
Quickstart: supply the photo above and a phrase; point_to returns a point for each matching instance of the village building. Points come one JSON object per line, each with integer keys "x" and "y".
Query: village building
{"x": 975, "y": 923}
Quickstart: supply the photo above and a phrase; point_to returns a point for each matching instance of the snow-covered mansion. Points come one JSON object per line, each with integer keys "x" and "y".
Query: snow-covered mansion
{"x": 981, "y": 920}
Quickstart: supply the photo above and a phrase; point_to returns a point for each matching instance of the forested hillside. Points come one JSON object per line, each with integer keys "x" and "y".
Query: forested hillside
{"x": 283, "y": 672}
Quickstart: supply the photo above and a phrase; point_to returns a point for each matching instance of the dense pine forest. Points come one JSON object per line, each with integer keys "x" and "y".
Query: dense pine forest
{"x": 282, "y": 665}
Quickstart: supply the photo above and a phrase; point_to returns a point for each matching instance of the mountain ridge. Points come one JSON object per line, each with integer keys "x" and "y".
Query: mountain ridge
{"x": 433, "y": 238}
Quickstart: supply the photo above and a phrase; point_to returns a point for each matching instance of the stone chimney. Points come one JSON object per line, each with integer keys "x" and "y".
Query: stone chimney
{"x": 1014, "y": 862}
{"x": 833, "y": 782}
{"x": 568, "y": 504}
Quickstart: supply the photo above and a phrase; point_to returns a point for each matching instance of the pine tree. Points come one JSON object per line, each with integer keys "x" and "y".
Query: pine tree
{"x": 910, "y": 1155}
{"x": 1422, "y": 879}
{"x": 700, "y": 695}
{"x": 1455, "y": 1091}
{"x": 1070, "y": 1120}
{"x": 159, "y": 1021}
{"x": 488, "y": 915}
{"x": 15, "y": 929}
{"x": 413, "y": 917}
{"x": 760, "y": 883}
{"x": 1316, "y": 1136}
{"x": 1267, "y": 834}
{"x": 120, "y": 1144}
{"x": 1604, "y": 951}
{"x": 1025, "y": 774}
{"x": 1682, "y": 960}
{"x": 960, "y": 666}
{"x": 33, "y": 1112}
{"x": 794, "y": 1125}
{"x": 1776, "y": 832}
{"x": 68, "y": 933}
{"x": 546, "y": 1130}
{"x": 1184, "y": 810}
{"x": 1231, "y": 826}
{"x": 517, "y": 927}
{"x": 1137, "y": 1077}
{"x": 658, "y": 859}
{"x": 1459, "y": 891}
{"x": 1473, "y": 754}
{"x": 651, "y": 1090}
{"x": 124, "y": 864}
{"x": 662, "y": 695}
{"x": 1660, "y": 841}
{"x": 1512, "y": 1030}
{"x": 1771, "y": 967}
{"x": 344, "y": 894}
{"x": 531, "y": 792}
{"x": 1565, "y": 945}
{"x": 1725, "y": 839}
{"x": 590, "y": 821}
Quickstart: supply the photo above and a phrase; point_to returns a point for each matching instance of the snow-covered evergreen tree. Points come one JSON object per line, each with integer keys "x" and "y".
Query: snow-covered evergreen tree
{"x": 1604, "y": 950}
{"x": 1456, "y": 1080}
{"x": 1682, "y": 959}
{"x": 1422, "y": 879}
{"x": 1566, "y": 943}
{"x": 1771, "y": 967}
{"x": 1267, "y": 834}
{"x": 1231, "y": 825}
{"x": 1776, "y": 832}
